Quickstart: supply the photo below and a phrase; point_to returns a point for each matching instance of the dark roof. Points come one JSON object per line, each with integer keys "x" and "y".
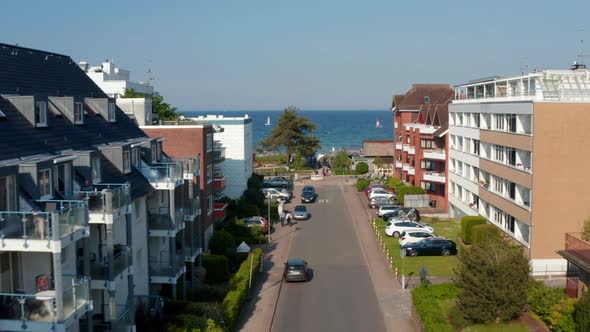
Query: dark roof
{"x": 414, "y": 98}
{"x": 439, "y": 132}
{"x": 138, "y": 184}
{"x": 31, "y": 72}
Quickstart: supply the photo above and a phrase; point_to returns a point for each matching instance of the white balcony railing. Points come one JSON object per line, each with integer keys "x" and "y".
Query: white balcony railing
{"x": 412, "y": 171}
{"x": 406, "y": 167}
{"x": 398, "y": 146}
{"x": 411, "y": 150}
{"x": 398, "y": 164}
{"x": 434, "y": 177}
{"x": 406, "y": 147}
{"x": 436, "y": 154}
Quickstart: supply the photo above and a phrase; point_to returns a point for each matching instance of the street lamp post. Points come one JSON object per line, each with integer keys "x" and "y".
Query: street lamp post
{"x": 269, "y": 220}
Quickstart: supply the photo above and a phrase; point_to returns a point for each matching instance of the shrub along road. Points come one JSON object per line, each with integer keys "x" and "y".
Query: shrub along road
{"x": 352, "y": 287}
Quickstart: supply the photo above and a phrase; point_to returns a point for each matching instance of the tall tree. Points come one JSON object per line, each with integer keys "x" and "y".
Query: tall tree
{"x": 494, "y": 278}
{"x": 292, "y": 134}
{"x": 163, "y": 110}
{"x": 340, "y": 161}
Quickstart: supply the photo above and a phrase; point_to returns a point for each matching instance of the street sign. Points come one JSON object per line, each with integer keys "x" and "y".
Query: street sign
{"x": 402, "y": 253}
{"x": 243, "y": 247}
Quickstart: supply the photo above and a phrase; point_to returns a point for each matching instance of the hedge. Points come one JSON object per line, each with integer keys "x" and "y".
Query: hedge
{"x": 361, "y": 184}
{"x": 239, "y": 282}
{"x": 398, "y": 186}
{"x": 542, "y": 299}
{"x": 428, "y": 300}
{"x": 408, "y": 190}
{"x": 217, "y": 267}
{"x": 482, "y": 232}
{"x": 467, "y": 223}
{"x": 392, "y": 182}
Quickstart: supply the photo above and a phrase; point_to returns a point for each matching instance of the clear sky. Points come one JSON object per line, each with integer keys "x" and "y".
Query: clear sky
{"x": 320, "y": 54}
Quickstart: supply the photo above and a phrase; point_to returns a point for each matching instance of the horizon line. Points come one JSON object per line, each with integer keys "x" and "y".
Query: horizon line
{"x": 279, "y": 110}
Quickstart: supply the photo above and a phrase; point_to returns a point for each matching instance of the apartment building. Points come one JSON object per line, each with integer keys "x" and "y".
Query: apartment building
{"x": 420, "y": 122}
{"x": 501, "y": 129}
{"x": 235, "y": 146}
{"x": 194, "y": 139}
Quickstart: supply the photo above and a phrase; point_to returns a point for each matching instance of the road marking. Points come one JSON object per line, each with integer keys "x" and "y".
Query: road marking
{"x": 323, "y": 201}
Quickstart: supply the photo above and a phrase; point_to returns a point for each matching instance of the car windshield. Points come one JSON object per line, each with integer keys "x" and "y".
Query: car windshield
{"x": 307, "y": 192}
{"x": 296, "y": 267}
{"x": 308, "y": 188}
{"x": 300, "y": 208}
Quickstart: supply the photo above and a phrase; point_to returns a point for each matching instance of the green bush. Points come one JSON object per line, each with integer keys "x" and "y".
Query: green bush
{"x": 222, "y": 243}
{"x": 361, "y": 168}
{"x": 208, "y": 293}
{"x": 428, "y": 301}
{"x": 391, "y": 182}
{"x": 458, "y": 318}
{"x": 361, "y": 184}
{"x": 561, "y": 318}
{"x": 467, "y": 223}
{"x": 408, "y": 190}
{"x": 541, "y": 299}
{"x": 582, "y": 313}
{"x": 482, "y": 232}
{"x": 217, "y": 267}
{"x": 397, "y": 187}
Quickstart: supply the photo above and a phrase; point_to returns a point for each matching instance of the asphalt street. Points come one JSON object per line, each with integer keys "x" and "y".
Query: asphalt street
{"x": 340, "y": 295}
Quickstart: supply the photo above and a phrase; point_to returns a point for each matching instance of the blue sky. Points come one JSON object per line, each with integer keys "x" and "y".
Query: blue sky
{"x": 322, "y": 54}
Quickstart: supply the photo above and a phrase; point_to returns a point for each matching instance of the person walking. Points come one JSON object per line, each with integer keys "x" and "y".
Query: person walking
{"x": 288, "y": 218}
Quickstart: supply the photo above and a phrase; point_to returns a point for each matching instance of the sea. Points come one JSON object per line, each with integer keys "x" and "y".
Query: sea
{"x": 335, "y": 129}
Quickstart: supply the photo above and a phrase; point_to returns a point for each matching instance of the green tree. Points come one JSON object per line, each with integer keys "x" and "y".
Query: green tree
{"x": 222, "y": 243}
{"x": 586, "y": 230}
{"x": 378, "y": 161}
{"x": 292, "y": 134}
{"x": 161, "y": 109}
{"x": 362, "y": 168}
{"x": 402, "y": 191}
{"x": 582, "y": 313}
{"x": 484, "y": 272}
{"x": 340, "y": 161}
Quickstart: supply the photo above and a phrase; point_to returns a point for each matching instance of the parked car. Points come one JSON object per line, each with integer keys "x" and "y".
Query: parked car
{"x": 277, "y": 181}
{"x": 382, "y": 193}
{"x": 300, "y": 212}
{"x": 274, "y": 194}
{"x": 378, "y": 202}
{"x": 378, "y": 187}
{"x": 296, "y": 270}
{"x": 413, "y": 236}
{"x": 403, "y": 213}
{"x": 395, "y": 228}
{"x": 308, "y": 194}
{"x": 387, "y": 208}
{"x": 257, "y": 221}
{"x": 371, "y": 187}
{"x": 431, "y": 247}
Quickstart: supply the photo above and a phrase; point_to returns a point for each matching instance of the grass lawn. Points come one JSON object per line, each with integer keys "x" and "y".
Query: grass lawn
{"x": 437, "y": 266}
{"x": 507, "y": 327}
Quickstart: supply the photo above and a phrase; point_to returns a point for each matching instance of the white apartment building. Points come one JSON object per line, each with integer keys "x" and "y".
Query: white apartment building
{"x": 516, "y": 158}
{"x": 236, "y": 139}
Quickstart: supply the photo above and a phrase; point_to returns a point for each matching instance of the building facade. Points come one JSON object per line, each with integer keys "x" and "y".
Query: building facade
{"x": 420, "y": 128}
{"x": 501, "y": 129}
{"x": 383, "y": 151}
{"x": 236, "y": 140}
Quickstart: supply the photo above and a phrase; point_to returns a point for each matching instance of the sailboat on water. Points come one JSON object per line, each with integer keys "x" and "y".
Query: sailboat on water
{"x": 267, "y": 121}
{"x": 378, "y": 124}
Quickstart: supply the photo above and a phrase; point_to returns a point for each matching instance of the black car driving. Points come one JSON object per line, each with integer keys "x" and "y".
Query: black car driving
{"x": 308, "y": 194}
{"x": 431, "y": 247}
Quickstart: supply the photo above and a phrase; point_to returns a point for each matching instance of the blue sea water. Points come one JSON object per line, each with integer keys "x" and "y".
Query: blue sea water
{"x": 338, "y": 129}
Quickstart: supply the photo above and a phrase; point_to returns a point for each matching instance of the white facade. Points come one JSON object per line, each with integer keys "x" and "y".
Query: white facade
{"x": 236, "y": 138}
{"x": 113, "y": 80}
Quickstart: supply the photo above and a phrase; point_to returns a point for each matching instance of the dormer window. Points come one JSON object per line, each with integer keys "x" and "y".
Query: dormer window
{"x": 426, "y": 100}
{"x": 78, "y": 113}
{"x": 45, "y": 184}
{"x": 155, "y": 156}
{"x": 135, "y": 157}
{"x": 112, "y": 114}
{"x": 41, "y": 114}
{"x": 126, "y": 162}
{"x": 96, "y": 171}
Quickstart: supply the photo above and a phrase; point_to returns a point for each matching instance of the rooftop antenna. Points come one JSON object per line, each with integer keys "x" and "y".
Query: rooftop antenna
{"x": 579, "y": 63}
{"x": 524, "y": 66}
{"x": 150, "y": 77}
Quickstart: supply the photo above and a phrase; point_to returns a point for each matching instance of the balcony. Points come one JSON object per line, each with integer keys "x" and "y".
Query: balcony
{"x": 434, "y": 177}
{"x": 219, "y": 155}
{"x": 219, "y": 183}
{"x": 45, "y": 310}
{"x": 163, "y": 176}
{"x": 398, "y": 164}
{"x": 435, "y": 154}
{"x": 191, "y": 168}
{"x": 105, "y": 271}
{"x": 106, "y": 202}
{"x": 119, "y": 317}
{"x": 191, "y": 253}
{"x": 192, "y": 208}
{"x": 406, "y": 147}
{"x": 59, "y": 224}
{"x": 219, "y": 211}
{"x": 167, "y": 272}
{"x": 398, "y": 146}
{"x": 406, "y": 167}
{"x": 164, "y": 224}
{"x": 411, "y": 170}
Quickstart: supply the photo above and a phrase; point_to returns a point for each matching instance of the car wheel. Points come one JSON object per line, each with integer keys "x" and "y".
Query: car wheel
{"x": 392, "y": 199}
{"x": 446, "y": 252}
{"x": 413, "y": 253}
{"x": 396, "y": 234}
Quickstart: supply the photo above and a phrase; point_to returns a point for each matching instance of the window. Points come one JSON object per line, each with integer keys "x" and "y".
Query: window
{"x": 159, "y": 151}
{"x": 209, "y": 173}
{"x": 96, "y": 172}
{"x": 135, "y": 157}
{"x": 467, "y": 120}
{"x": 511, "y": 156}
{"x": 512, "y": 190}
{"x": 45, "y": 183}
{"x": 126, "y": 162}
{"x": 499, "y": 122}
{"x": 498, "y": 185}
{"x": 428, "y": 186}
{"x": 452, "y": 188}
{"x": 112, "y": 113}
{"x": 40, "y": 114}
{"x": 7, "y": 193}
{"x": 407, "y": 139}
{"x": 154, "y": 153}
{"x": 459, "y": 119}
{"x": 427, "y": 164}
{"x": 427, "y": 144}
{"x": 511, "y": 122}
{"x": 210, "y": 205}
{"x": 209, "y": 142}
{"x": 78, "y": 113}
{"x": 476, "y": 119}
{"x": 475, "y": 147}
{"x": 426, "y": 100}
{"x": 499, "y": 153}
{"x": 467, "y": 145}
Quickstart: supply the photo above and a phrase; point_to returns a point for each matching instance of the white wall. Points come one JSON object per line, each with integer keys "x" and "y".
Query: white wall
{"x": 140, "y": 246}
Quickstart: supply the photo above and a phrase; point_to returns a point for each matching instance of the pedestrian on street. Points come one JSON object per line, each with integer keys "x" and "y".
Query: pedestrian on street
{"x": 288, "y": 218}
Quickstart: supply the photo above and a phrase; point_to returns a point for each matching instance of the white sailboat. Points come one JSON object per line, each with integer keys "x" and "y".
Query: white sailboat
{"x": 378, "y": 124}
{"x": 267, "y": 121}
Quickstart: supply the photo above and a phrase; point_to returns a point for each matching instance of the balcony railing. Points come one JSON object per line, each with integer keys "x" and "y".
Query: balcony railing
{"x": 105, "y": 197}
{"x": 191, "y": 252}
{"x": 219, "y": 182}
{"x": 190, "y": 167}
{"x": 58, "y": 220}
{"x": 43, "y": 306}
{"x": 219, "y": 211}
{"x": 398, "y": 164}
{"x": 434, "y": 177}
{"x": 398, "y": 146}
{"x": 192, "y": 208}
{"x": 437, "y": 154}
{"x": 166, "y": 222}
{"x": 106, "y": 269}
{"x": 163, "y": 175}
{"x": 168, "y": 269}
{"x": 411, "y": 170}
{"x": 575, "y": 244}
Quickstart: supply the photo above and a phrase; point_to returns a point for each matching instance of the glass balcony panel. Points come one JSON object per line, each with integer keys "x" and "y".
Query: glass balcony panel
{"x": 163, "y": 172}
{"x": 105, "y": 197}
{"x": 27, "y": 307}
{"x": 119, "y": 262}
{"x": 167, "y": 268}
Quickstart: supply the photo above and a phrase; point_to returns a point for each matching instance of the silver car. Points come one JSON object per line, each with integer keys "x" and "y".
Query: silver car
{"x": 300, "y": 213}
